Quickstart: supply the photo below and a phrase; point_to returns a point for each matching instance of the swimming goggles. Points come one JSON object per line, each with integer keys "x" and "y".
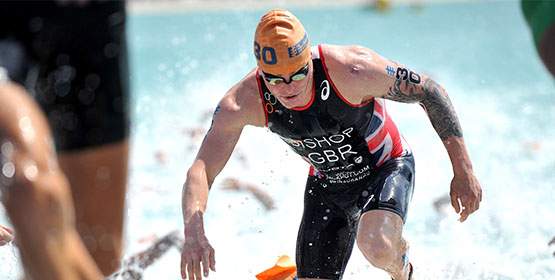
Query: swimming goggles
{"x": 297, "y": 76}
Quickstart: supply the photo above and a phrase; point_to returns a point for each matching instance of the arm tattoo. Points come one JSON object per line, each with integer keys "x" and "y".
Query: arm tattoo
{"x": 435, "y": 101}
{"x": 403, "y": 91}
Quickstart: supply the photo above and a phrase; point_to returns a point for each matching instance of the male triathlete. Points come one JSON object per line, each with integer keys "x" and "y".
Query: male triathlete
{"x": 329, "y": 104}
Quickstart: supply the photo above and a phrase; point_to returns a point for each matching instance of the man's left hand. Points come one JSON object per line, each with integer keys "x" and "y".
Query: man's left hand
{"x": 466, "y": 194}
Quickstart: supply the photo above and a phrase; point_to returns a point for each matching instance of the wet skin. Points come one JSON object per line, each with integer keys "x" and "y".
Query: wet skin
{"x": 296, "y": 93}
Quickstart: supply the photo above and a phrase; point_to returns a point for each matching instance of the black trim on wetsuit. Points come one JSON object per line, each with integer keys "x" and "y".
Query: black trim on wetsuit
{"x": 74, "y": 61}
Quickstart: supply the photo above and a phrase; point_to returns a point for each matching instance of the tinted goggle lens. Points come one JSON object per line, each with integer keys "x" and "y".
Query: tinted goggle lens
{"x": 275, "y": 80}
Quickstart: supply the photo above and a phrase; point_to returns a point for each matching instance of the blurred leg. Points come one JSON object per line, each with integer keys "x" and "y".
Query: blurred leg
{"x": 98, "y": 179}
{"x": 36, "y": 193}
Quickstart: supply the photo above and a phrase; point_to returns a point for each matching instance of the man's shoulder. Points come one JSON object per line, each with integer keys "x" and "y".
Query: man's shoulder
{"x": 246, "y": 88}
{"x": 243, "y": 101}
{"x": 354, "y": 71}
{"x": 347, "y": 58}
{"x": 343, "y": 52}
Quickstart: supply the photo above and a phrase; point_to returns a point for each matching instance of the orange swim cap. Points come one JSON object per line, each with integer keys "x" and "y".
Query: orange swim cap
{"x": 281, "y": 45}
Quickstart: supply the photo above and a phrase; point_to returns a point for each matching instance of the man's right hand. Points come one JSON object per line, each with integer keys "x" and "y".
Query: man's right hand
{"x": 6, "y": 236}
{"x": 197, "y": 250}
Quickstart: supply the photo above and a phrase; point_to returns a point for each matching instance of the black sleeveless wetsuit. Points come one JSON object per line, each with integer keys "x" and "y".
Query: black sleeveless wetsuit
{"x": 359, "y": 162}
{"x": 73, "y": 61}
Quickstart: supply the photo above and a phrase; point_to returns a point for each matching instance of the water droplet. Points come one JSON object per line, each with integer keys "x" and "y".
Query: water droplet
{"x": 106, "y": 242}
{"x": 328, "y": 210}
{"x": 62, "y": 79}
{"x": 103, "y": 173}
{"x": 310, "y": 244}
{"x": 92, "y": 81}
{"x": 244, "y": 56}
{"x": 69, "y": 121}
{"x": 36, "y": 24}
{"x": 90, "y": 242}
{"x": 8, "y": 169}
{"x": 27, "y": 129}
{"x": 170, "y": 73}
{"x": 7, "y": 149}
{"x": 86, "y": 97}
{"x": 30, "y": 170}
{"x": 209, "y": 37}
{"x": 111, "y": 50}
{"x": 25, "y": 123}
{"x": 115, "y": 18}
{"x": 325, "y": 218}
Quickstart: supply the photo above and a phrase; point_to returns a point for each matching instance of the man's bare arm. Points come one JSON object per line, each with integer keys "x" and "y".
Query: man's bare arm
{"x": 361, "y": 74}
{"x": 409, "y": 87}
{"x": 240, "y": 107}
{"x": 434, "y": 100}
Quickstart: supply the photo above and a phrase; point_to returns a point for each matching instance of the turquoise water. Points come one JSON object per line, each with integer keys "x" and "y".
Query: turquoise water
{"x": 482, "y": 53}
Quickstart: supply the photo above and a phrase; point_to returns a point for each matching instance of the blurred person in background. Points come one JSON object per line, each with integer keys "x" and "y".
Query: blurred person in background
{"x": 36, "y": 193}
{"x": 328, "y": 103}
{"x": 66, "y": 202}
{"x": 540, "y": 16}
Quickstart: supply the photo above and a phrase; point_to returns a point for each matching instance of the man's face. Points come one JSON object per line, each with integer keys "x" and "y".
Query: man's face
{"x": 293, "y": 89}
